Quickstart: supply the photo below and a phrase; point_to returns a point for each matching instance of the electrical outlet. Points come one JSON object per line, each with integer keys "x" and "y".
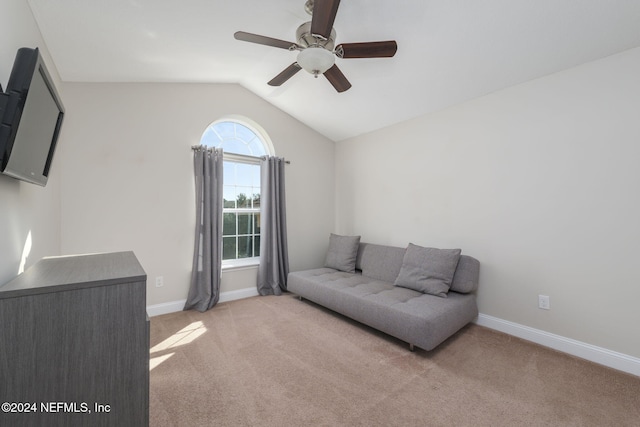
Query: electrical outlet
{"x": 543, "y": 302}
{"x": 159, "y": 282}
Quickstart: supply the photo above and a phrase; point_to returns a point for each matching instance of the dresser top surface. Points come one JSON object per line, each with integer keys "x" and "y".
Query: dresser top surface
{"x": 55, "y": 274}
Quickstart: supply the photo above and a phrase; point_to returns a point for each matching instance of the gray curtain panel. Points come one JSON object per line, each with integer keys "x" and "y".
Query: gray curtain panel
{"x": 274, "y": 255}
{"x": 204, "y": 292}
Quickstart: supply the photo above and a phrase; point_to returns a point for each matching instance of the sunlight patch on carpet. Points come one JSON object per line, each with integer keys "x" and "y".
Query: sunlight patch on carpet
{"x": 155, "y": 361}
{"x": 184, "y": 336}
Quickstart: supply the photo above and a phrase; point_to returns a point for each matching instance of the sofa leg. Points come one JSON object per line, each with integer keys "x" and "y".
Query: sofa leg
{"x": 299, "y": 297}
{"x": 411, "y": 347}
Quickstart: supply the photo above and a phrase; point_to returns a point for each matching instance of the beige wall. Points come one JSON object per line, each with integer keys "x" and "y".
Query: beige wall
{"x": 127, "y": 182}
{"x": 29, "y": 214}
{"x": 540, "y": 182}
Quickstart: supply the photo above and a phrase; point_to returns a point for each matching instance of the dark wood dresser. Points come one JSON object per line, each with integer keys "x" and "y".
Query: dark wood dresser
{"x": 74, "y": 343}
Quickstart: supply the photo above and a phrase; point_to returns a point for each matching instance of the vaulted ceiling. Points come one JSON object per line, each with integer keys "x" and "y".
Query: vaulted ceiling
{"x": 449, "y": 51}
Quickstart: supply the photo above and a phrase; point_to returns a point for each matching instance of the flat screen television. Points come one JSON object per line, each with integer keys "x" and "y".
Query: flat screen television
{"x": 31, "y": 114}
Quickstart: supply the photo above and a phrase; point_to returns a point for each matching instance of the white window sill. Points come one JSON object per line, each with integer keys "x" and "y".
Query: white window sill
{"x": 240, "y": 264}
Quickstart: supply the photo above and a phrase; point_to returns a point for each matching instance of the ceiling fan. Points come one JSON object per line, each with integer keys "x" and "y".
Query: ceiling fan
{"x": 316, "y": 40}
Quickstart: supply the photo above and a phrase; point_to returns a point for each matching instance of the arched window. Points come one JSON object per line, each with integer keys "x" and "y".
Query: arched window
{"x": 243, "y": 143}
{"x": 237, "y": 136}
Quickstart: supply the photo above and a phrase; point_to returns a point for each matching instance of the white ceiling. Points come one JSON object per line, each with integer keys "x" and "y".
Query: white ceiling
{"x": 449, "y": 51}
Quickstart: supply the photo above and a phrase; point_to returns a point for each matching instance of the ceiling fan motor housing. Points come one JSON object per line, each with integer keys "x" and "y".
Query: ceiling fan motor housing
{"x": 306, "y": 39}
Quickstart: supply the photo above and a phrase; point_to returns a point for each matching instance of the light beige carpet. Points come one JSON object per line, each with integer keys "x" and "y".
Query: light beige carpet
{"x": 278, "y": 361}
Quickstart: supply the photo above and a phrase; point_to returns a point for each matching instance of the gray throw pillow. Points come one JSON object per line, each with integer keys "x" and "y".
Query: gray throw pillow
{"x": 342, "y": 253}
{"x": 428, "y": 270}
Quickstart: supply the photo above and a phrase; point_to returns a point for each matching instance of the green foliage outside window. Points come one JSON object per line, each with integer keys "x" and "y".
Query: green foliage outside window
{"x": 241, "y": 230}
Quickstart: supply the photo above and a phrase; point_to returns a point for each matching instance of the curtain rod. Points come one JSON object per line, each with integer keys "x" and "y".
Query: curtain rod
{"x": 200, "y": 147}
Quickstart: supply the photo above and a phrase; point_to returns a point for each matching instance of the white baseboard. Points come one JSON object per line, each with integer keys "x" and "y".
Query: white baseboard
{"x": 239, "y": 294}
{"x": 174, "y": 306}
{"x": 602, "y": 356}
{"x": 165, "y": 308}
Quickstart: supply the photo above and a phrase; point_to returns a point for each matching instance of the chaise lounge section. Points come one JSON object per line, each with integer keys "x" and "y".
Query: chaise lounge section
{"x": 419, "y": 295}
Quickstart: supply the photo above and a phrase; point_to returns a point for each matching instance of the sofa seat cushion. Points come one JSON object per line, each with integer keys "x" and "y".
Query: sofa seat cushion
{"x": 417, "y": 318}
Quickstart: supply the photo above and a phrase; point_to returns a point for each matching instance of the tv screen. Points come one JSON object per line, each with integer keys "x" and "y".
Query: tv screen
{"x": 32, "y": 113}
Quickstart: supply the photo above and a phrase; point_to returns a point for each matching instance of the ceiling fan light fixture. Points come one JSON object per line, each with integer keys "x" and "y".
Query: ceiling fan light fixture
{"x": 316, "y": 60}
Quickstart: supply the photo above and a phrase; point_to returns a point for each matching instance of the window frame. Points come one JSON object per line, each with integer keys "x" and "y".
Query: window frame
{"x": 249, "y": 261}
{"x": 263, "y": 137}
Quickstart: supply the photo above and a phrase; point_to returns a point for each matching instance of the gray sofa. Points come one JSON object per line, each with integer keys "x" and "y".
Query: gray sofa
{"x": 371, "y": 294}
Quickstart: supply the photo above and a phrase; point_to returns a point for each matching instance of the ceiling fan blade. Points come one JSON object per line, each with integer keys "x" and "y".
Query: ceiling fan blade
{"x": 324, "y": 13}
{"x": 384, "y": 49}
{"x": 337, "y": 79}
{"x": 268, "y": 41}
{"x": 285, "y": 75}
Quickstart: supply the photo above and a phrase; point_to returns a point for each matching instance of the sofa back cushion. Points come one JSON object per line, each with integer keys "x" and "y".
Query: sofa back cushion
{"x": 380, "y": 262}
{"x": 467, "y": 274}
{"x": 384, "y": 263}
